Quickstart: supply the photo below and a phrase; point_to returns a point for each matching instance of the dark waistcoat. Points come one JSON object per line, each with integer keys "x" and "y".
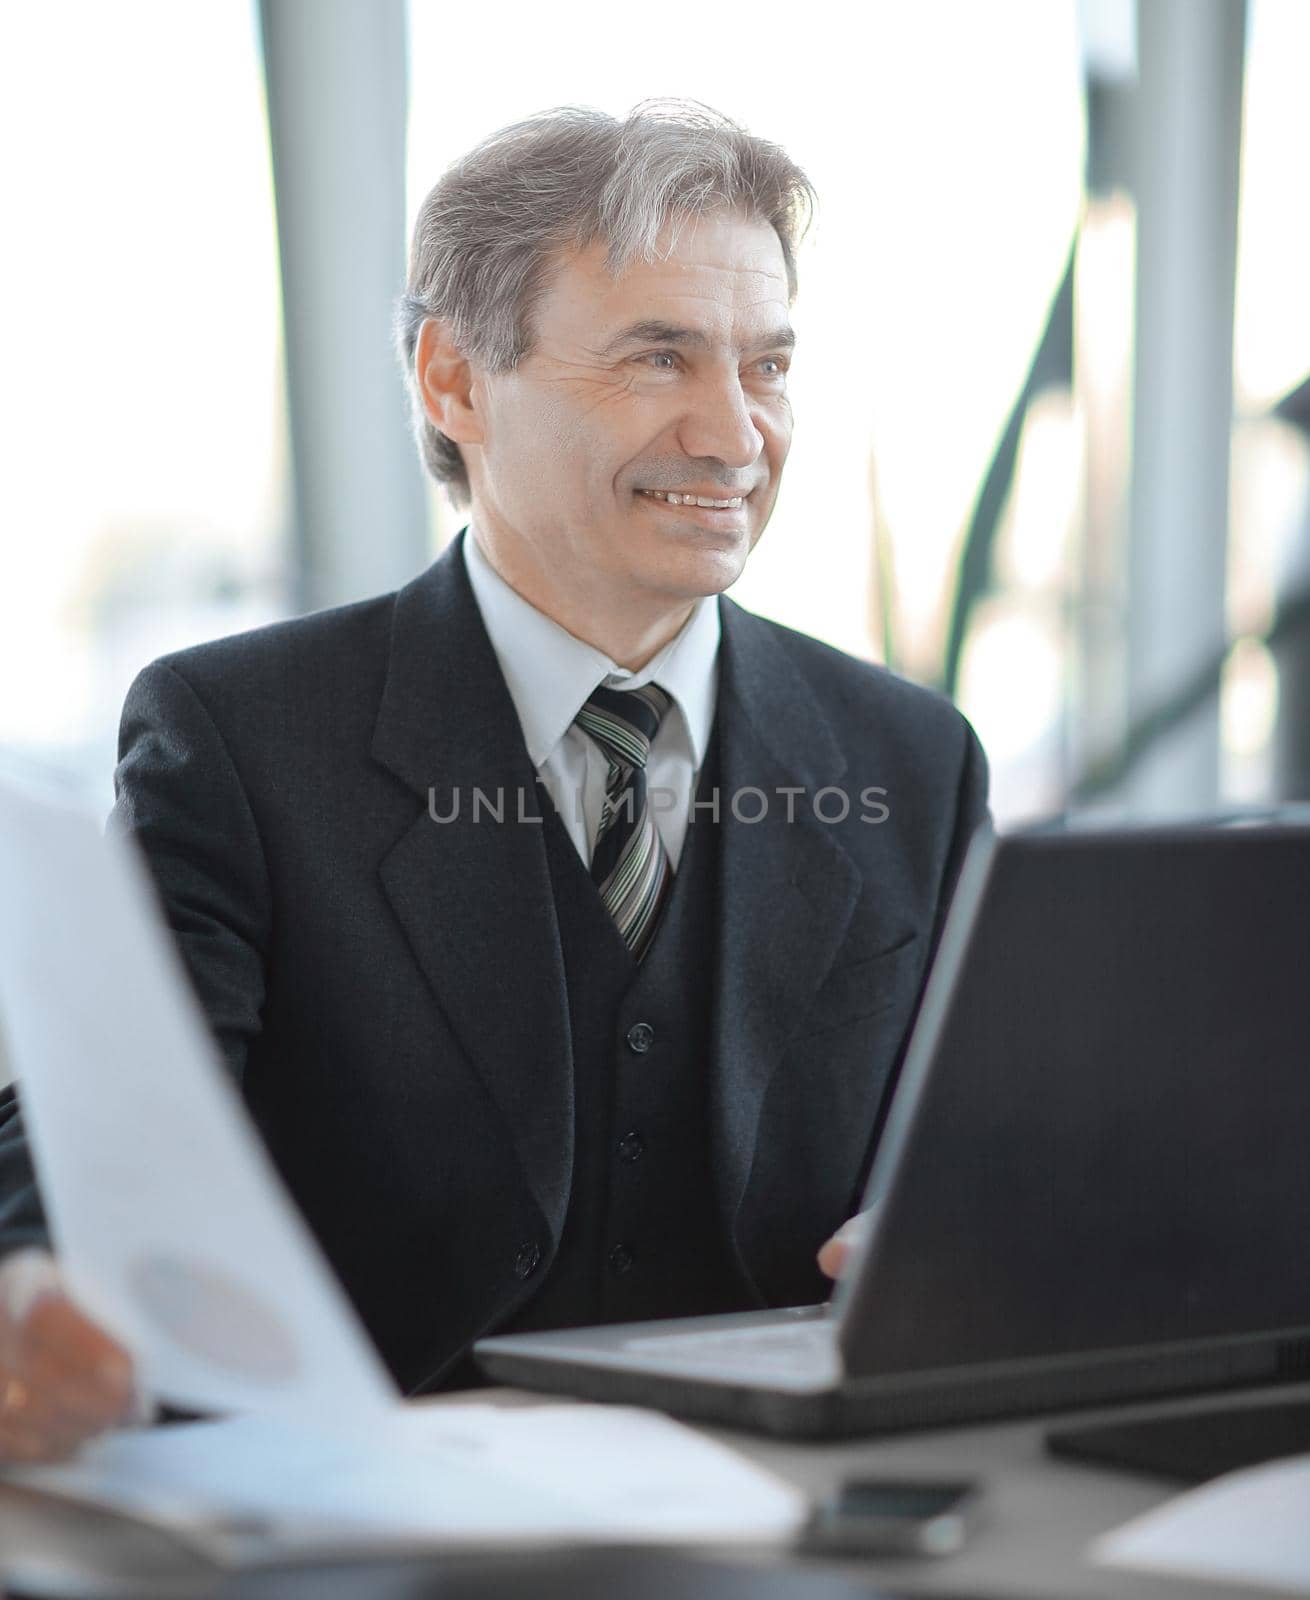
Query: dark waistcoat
{"x": 642, "y": 1236}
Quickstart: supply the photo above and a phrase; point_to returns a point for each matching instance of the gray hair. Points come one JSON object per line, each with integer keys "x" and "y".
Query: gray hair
{"x": 485, "y": 236}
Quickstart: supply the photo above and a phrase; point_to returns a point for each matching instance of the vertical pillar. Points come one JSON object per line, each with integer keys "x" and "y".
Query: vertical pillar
{"x": 1190, "y": 55}
{"x": 337, "y": 97}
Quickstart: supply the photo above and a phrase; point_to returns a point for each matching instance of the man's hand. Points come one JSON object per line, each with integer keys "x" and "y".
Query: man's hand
{"x": 62, "y": 1379}
{"x": 835, "y": 1255}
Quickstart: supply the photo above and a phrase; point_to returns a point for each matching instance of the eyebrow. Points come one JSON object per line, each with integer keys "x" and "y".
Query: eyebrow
{"x": 657, "y": 332}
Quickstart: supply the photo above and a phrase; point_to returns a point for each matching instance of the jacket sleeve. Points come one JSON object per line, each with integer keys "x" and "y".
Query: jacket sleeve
{"x": 183, "y": 802}
{"x": 971, "y": 813}
{"x": 180, "y": 798}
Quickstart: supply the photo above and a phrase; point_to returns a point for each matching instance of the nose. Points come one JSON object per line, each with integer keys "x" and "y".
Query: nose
{"x": 718, "y": 423}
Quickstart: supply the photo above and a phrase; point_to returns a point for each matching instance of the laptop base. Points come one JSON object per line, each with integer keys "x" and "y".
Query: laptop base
{"x": 898, "y": 1403}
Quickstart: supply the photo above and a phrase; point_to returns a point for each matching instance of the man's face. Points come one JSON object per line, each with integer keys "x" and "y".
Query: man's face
{"x": 671, "y": 379}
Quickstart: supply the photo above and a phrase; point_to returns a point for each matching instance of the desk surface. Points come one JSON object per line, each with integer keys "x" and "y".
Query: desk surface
{"x": 1038, "y": 1516}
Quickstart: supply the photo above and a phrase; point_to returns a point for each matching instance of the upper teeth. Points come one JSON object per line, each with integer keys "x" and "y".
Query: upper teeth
{"x": 676, "y": 499}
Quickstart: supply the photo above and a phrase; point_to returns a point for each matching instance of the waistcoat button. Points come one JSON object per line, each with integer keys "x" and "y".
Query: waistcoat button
{"x": 631, "y": 1146}
{"x": 527, "y": 1261}
{"x": 620, "y": 1260}
{"x": 640, "y": 1038}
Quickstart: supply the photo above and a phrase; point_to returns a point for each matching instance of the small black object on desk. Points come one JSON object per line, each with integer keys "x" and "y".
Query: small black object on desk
{"x": 1192, "y": 1446}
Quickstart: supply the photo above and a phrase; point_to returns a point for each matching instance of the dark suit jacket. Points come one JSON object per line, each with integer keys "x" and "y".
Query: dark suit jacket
{"x": 389, "y": 989}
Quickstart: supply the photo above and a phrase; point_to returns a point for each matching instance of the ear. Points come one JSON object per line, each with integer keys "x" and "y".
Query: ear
{"x": 445, "y": 383}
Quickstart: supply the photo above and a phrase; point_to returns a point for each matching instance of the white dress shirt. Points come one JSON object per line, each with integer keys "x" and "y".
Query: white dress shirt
{"x": 550, "y": 675}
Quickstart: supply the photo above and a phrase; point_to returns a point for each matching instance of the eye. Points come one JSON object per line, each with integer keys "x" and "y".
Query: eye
{"x": 661, "y": 355}
{"x": 775, "y": 361}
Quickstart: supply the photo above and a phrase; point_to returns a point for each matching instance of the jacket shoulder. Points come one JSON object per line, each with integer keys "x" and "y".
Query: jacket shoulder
{"x": 317, "y": 646}
{"x": 290, "y": 694}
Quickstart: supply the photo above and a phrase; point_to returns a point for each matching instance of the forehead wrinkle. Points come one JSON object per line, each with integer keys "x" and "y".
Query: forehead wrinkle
{"x": 694, "y": 338}
{"x": 711, "y": 284}
{"x": 665, "y": 330}
{"x": 727, "y": 290}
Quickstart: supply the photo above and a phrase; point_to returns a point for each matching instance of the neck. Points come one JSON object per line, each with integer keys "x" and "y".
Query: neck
{"x": 630, "y": 629}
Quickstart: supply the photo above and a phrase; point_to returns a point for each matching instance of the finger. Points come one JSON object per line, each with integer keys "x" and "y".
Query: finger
{"x": 33, "y": 1422}
{"x": 76, "y": 1391}
{"x": 74, "y": 1379}
{"x": 26, "y": 1427}
{"x": 63, "y": 1328}
{"x": 34, "y": 1398}
{"x": 37, "y": 1446}
{"x": 833, "y": 1256}
{"x": 59, "y": 1398}
{"x": 56, "y": 1335}
{"x": 21, "y": 1445}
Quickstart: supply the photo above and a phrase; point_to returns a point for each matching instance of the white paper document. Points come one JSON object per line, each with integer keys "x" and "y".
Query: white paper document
{"x": 171, "y": 1224}
{"x": 175, "y": 1231}
{"x": 1251, "y": 1527}
{"x": 248, "y": 1489}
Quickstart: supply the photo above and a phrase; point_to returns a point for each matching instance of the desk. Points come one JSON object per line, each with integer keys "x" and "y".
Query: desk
{"x": 1038, "y": 1516}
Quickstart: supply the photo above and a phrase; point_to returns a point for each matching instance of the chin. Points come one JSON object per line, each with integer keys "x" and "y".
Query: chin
{"x": 689, "y": 574}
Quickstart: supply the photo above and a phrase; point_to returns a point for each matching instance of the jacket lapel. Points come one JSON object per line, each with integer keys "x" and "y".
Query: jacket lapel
{"x": 788, "y": 888}
{"x": 473, "y": 894}
{"x": 463, "y": 888}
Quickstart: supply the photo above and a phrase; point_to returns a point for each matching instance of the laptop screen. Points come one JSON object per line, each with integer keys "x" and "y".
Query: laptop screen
{"x": 1099, "y": 1138}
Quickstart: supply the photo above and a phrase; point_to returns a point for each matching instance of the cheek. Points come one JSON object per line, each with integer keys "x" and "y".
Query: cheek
{"x": 540, "y": 451}
{"x": 576, "y": 424}
{"x": 780, "y": 426}
{"x": 573, "y": 441}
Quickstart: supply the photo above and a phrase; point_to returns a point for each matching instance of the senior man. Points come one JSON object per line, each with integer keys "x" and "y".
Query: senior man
{"x": 562, "y": 922}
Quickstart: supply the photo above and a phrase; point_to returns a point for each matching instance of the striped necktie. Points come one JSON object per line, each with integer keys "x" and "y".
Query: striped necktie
{"x": 629, "y": 863}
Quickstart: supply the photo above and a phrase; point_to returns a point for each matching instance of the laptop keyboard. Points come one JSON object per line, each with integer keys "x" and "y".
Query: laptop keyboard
{"x": 783, "y": 1349}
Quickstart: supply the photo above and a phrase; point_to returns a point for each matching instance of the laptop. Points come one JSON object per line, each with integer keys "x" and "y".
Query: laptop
{"x": 1093, "y": 1182}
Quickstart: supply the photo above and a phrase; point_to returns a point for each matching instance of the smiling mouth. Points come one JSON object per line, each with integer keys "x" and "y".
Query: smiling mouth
{"x": 674, "y": 498}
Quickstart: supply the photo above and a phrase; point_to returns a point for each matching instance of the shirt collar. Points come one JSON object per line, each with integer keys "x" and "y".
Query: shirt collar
{"x": 550, "y": 673}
